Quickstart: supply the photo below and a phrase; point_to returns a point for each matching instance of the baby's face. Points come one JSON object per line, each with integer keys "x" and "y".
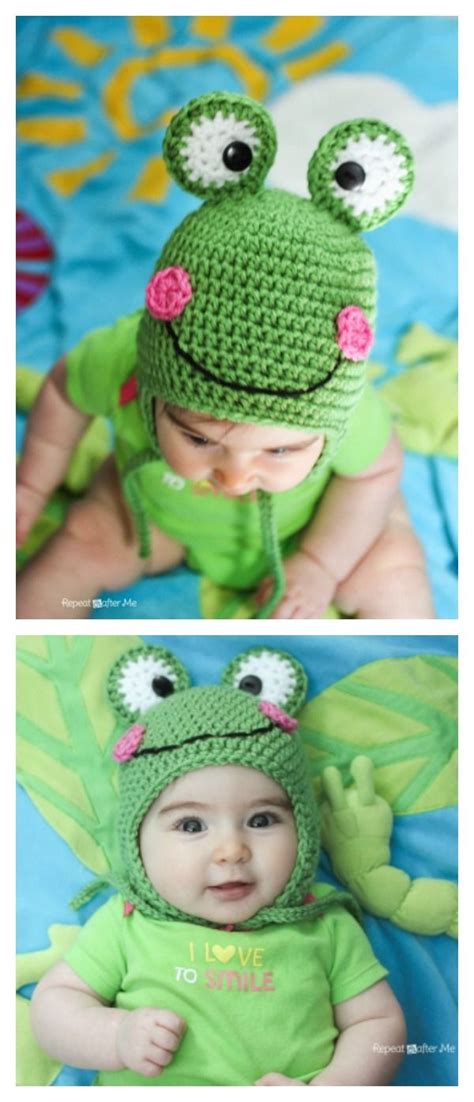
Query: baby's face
{"x": 235, "y": 458}
{"x": 220, "y": 843}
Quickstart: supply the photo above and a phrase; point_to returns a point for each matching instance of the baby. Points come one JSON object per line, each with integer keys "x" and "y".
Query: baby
{"x": 219, "y": 962}
{"x": 245, "y": 433}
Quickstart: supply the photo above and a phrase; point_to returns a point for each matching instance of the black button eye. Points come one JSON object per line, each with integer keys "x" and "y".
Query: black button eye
{"x": 237, "y": 156}
{"x": 349, "y": 175}
{"x": 162, "y": 686}
{"x": 251, "y": 684}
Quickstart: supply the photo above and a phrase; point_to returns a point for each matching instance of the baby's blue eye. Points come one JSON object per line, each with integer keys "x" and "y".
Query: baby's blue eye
{"x": 279, "y": 451}
{"x": 190, "y": 826}
{"x": 262, "y": 819}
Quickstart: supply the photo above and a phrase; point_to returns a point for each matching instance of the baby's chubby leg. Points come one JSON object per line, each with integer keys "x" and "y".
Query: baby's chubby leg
{"x": 390, "y": 581}
{"x": 95, "y": 549}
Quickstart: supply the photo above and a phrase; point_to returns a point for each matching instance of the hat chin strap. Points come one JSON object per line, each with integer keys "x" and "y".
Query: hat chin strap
{"x": 271, "y": 547}
{"x": 272, "y": 551}
{"x": 309, "y": 908}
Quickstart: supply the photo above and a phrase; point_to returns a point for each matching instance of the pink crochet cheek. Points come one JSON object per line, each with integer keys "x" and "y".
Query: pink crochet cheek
{"x": 354, "y": 334}
{"x": 167, "y": 293}
{"x": 127, "y": 745}
{"x": 287, "y": 723}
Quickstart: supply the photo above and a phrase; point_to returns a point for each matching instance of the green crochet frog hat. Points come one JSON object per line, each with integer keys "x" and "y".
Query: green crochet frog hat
{"x": 262, "y": 305}
{"x": 248, "y": 720}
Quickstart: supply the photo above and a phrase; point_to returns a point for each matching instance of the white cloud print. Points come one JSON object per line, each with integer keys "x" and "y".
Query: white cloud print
{"x": 305, "y": 112}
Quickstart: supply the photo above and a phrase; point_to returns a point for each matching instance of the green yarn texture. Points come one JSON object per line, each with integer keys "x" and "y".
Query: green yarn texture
{"x": 291, "y": 697}
{"x": 220, "y": 106}
{"x": 271, "y": 548}
{"x": 377, "y": 146}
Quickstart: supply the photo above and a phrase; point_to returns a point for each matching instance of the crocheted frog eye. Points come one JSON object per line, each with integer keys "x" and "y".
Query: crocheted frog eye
{"x": 220, "y": 144}
{"x": 143, "y": 678}
{"x": 362, "y": 173}
{"x": 270, "y": 675}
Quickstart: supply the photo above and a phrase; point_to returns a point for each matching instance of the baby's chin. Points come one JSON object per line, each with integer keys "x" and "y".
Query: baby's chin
{"x": 230, "y": 915}
{"x": 266, "y": 485}
{"x": 281, "y": 488}
{"x": 229, "y": 912}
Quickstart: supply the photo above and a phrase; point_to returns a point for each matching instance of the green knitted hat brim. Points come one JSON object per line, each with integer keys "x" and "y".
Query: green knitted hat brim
{"x": 270, "y": 274}
{"x": 237, "y": 752}
{"x": 275, "y": 753}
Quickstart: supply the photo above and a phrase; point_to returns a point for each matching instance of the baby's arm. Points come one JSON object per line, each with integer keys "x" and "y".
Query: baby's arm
{"x": 55, "y": 426}
{"x": 371, "y": 1042}
{"x": 349, "y": 518}
{"x": 76, "y": 1027}
{"x": 370, "y": 1045}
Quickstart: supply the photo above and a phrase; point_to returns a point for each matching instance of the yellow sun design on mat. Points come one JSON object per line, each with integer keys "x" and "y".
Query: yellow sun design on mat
{"x": 210, "y": 40}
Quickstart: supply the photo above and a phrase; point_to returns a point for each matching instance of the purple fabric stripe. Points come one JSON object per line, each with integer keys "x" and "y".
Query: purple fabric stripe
{"x": 30, "y": 283}
{"x": 31, "y": 249}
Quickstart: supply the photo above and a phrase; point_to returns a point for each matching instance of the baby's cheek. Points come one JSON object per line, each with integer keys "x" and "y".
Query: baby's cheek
{"x": 284, "y": 475}
{"x": 177, "y": 455}
{"x": 180, "y": 463}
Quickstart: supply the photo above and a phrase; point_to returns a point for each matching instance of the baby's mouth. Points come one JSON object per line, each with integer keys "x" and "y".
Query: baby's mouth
{"x": 232, "y": 889}
{"x": 283, "y": 393}
{"x": 235, "y": 493}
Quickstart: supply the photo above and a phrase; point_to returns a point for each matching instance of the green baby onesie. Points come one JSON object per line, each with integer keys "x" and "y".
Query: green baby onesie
{"x": 254, "y": 1001}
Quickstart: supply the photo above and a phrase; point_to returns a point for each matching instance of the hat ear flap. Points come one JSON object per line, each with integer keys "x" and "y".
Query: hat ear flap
{"x": 270, "y": 675}
{"x": 362, "y": 172}
{"x": 142, "y": 678}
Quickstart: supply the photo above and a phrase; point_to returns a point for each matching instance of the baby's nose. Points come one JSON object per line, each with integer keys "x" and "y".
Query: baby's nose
{"x": 234, "y": 475}
{"x": 232, "y": 484}
{"x": 231, "y": 850}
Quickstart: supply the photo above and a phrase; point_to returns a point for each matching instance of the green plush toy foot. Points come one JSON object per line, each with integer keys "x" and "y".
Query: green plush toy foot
{"x": 356, "y": 826}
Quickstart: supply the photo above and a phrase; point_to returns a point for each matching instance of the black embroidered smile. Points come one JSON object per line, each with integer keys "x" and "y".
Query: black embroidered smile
{"x": 283, "y": 393}
{"x": 197, "y": 738}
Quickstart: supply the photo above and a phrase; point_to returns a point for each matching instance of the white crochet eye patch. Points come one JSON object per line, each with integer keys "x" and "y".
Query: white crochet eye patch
{"x": 135, "y": 681}
{"x": 276, "y": 674}
{"x": 385, "y": 173}
{"x": 203, "y": 149}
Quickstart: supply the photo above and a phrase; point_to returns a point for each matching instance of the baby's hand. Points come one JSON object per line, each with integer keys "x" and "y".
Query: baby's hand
{"x": 309, "y": 590}
{"x": 148, "y": 1038}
